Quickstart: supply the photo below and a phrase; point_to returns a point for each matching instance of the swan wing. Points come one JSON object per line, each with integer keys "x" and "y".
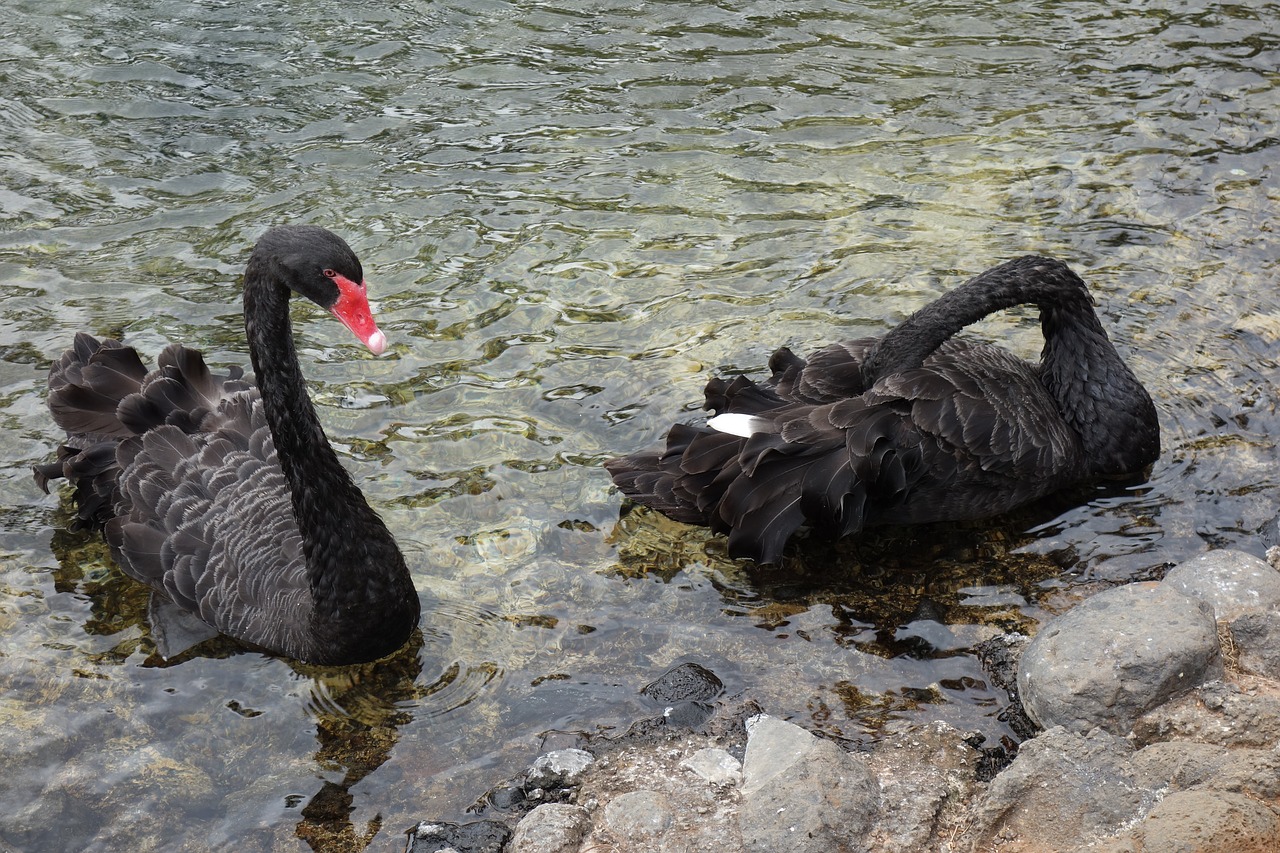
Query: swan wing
{"x": 205, "y": 518}
{"x": 989, "y": 410}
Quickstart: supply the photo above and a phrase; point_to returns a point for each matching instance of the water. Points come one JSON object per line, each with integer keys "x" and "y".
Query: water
{"x": 571, "y": 215}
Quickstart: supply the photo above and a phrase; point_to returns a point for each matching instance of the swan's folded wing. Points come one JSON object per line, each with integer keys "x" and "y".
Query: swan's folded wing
{"x": 984, "y": 404}
{"x": 181, "y": 391}
{"x": 205, "y": 519}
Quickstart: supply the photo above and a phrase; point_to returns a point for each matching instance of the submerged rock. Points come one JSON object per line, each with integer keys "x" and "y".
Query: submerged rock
{"x": 686, "y": 682}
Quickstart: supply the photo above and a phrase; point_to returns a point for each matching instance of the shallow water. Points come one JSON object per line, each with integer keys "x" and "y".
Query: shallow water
{"x": 571, "y": 215}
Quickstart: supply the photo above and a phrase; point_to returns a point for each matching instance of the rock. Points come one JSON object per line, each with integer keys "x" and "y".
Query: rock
{"x": 714, "y": 765}
{"x": 926, "y": 777}
{"x": 1062, "y": 787}
{"x": 1253, "y": 772}
{"x": 1207, "y": 822}
{"x": 803, "y": 794}
{"x": 1118, "y": 654}
{"x": 638, "y": 816}
{"x": 1179, "y": 765}
{"x": 687, "y": 682}
{"x": 1232, "y": 582}
{"x": 562, "y": 768}
{"x": 551, "y": 828}
{"x": 698, "y": 816}
{"x": 1257, "y": 640}
{"x": 1216, "y": 713}
{"x": 482, "y": 836}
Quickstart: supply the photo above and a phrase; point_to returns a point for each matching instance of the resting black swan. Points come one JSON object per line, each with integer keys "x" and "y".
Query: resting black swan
{"x": 913, "y": 427}
{"x": 226, "y": 498}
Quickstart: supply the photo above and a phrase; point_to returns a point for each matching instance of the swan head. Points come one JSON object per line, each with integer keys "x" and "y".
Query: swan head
{"x": 318, "y": 264}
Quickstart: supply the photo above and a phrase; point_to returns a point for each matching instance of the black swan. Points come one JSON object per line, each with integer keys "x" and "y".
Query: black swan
{"x": 226, "y": 498}
{"x": 913, "y": 427}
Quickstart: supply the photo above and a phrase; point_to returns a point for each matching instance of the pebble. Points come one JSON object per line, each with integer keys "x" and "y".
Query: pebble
{"x": 714, "y": 765}
{"x": 562, "y": 768}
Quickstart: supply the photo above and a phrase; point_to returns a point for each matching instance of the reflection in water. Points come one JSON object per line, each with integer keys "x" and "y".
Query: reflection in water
{"x": 358, "y": 711}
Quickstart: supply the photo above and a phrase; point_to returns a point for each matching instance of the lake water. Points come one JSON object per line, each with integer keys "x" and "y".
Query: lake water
{"x": 571, "y": 215}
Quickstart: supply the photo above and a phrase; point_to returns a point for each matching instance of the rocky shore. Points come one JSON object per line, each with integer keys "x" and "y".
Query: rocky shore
{"x": 1155, "y": 710}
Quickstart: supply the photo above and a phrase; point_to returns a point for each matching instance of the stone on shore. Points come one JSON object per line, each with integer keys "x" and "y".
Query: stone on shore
{"x": 562, "y": 768}
{"x": 803, "y": 794}
{"x": 1062, "y": 785}
{"x": 1117, "y": 655}
{"x": 714, "y": 765}
{"x": 1232, "y": 582}
{"x": 1257, "y": 642}
{"x": 551, "y": 828}
{"x": 1203, "y": 822}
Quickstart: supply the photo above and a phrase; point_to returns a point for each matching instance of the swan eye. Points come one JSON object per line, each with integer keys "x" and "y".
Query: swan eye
{"x": 330, "y": 273}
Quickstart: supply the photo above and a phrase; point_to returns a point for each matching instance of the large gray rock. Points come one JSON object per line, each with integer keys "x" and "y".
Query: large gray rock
{"x": 1063, "y": 790}
{"x": 1118, "y": 654}
{"x": 1232, "y": 582}
{"x": 550, "y": 828}
{"x": 803, "y": 794}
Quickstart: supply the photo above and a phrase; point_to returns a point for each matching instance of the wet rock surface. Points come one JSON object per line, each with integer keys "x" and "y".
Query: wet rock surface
{"x": 1168, "y": 744}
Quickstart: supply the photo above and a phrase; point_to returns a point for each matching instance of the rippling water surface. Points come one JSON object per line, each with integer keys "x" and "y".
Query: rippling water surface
{"x": 572, "y": 214}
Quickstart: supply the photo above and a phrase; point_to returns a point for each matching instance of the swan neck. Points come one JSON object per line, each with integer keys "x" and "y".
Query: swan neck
{"x": 322, "y": 492}
{"x": 1043, "y": 282}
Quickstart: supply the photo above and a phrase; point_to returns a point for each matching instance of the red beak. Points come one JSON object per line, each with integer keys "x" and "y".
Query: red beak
{"x": 352, "y": 308}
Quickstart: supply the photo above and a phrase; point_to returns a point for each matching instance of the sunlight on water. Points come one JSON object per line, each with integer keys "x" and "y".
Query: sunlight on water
{"x": 571, "y": 215}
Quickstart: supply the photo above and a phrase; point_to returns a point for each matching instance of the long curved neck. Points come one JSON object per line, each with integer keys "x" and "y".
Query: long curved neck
{"x": 322, "y": 492}
{"x": 1095, "y": 391}
{"x": 1028, "y": 280}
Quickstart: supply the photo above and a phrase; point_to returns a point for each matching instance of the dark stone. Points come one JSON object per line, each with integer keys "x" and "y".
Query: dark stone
{"x": 687, "y": 682}
{"x": 482, "y": 836}
{"x": 1257, "y": 639}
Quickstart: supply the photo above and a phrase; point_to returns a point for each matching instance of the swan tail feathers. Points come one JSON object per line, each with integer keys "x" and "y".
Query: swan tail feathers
{"x": 105, "y": 399}
{"x": 682, "y": 479}
{"x": 87, "y": 384}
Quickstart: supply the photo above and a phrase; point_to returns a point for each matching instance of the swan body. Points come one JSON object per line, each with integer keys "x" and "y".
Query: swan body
{"x": 223, "y": 495}
{"x": 917, "y": 426}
